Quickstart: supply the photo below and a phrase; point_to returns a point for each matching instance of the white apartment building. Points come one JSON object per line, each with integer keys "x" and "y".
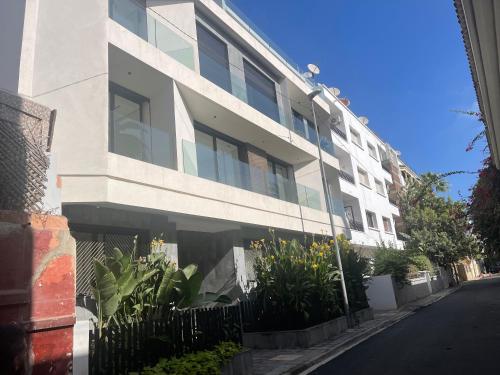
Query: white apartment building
{"x": 177, "y": 119}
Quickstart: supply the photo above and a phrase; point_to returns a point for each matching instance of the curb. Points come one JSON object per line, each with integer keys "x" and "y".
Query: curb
{"x": 313, "y": 364}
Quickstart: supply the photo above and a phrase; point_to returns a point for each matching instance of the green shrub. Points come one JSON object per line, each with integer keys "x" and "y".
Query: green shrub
{"x": 420, "y": 263}
{"x": 299, "y": 286}
{"x": 207, "y": 362}
{"x": 355, "y": 268}
{"x": 390, "y": 261}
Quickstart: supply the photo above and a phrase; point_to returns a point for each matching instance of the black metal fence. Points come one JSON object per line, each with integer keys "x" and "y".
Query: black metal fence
{"x": 130, "y": 347}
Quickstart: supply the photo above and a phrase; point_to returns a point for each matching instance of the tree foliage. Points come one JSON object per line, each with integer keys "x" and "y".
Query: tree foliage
{"x": 484, "y": 208}
{"x": 438, "y": 227}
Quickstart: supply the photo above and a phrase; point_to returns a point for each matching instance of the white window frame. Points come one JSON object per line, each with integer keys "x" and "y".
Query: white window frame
{"x": 377, "y": 184}
{"x": 363, "y": 172}
{"x": 354, "y": 138}
{"x": 372, "y": 151}
{"x": 384, "y": 219}
{"x": 368, "y": 213}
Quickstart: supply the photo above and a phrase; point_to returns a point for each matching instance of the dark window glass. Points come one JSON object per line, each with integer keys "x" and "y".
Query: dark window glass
{"x": 311, "y": 132}
{"x": 261, "y": 92}
{"x": 217, "y": 159}
{"x": 279, "y": 185}
{"x": 129, "y": 127}
{"x": 298, "y": 124}
{"x": 214, "y": 63}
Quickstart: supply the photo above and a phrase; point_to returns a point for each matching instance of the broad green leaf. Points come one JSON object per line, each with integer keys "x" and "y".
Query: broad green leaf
{"x": 166, "y": 287}
{"x": 127, "y": 283}
{"x": 190, "y": 270}
{"x": 110, "y": 305}
{"x": 116, "y": 253}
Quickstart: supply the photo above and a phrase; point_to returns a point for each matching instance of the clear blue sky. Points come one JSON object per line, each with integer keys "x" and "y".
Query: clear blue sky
{"x": 402, "y": 64}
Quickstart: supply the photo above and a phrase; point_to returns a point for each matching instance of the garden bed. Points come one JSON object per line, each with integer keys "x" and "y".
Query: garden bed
{"x": 300, "y": 338}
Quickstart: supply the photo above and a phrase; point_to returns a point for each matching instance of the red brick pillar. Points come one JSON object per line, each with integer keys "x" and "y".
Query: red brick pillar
{"x": 37, "y": 285}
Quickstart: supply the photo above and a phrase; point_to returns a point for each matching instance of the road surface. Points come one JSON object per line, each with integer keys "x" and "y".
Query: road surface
{"x": 458, "y": 335}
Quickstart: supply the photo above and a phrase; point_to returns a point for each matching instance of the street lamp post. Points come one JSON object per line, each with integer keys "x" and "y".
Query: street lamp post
{"x": 311, "y": 96}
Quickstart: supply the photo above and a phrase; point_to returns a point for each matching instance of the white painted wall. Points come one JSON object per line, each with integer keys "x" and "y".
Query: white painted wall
{"x": 380, "y": 293}
{"x": 11, "y": 38}
{"x": 70, "y": 75}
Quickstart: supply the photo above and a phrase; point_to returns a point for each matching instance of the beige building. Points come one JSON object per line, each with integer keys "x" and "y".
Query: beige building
{"x": 177, "y": 119}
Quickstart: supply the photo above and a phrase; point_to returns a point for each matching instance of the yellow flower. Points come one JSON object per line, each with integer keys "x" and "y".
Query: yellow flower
{"x": 321, "y": 253}
{"x": 331, "y": 242}
{"x": 314, "y": 245}
{"x": 272, "y": 257}
{"x": 314, "y": 266}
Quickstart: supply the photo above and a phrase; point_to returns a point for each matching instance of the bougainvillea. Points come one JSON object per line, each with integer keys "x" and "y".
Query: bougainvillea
{"x": 484, "y": 208}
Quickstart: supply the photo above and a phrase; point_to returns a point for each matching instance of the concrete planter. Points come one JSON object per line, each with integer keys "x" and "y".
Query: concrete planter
{"x": 364, "y": 315}
{"x": 240, "y": 364}
{"x": 303, "y": 338}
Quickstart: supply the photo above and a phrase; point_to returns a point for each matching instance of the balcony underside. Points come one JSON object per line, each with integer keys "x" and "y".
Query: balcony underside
{"x": 145, "y": 186}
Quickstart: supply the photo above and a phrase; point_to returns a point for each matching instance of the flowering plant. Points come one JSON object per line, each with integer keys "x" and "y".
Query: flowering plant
{"x": 297, "y": 285}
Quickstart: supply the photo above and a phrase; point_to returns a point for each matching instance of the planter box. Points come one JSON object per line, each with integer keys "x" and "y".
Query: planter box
{"x": 241, "y": 364}
{"x": 303, "y": 338}
{"x": 364, "y": 315}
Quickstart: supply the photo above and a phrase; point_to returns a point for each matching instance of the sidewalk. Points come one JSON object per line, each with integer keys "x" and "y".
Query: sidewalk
{"x": 305, "y": 360}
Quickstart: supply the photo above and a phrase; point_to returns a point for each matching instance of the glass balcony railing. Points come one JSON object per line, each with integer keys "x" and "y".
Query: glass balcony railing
{"x": 139, "y": 140}
{"x": 153, "y": 29}
{"x": 337, "y": 206}
{"x": 309, "y": 197}
{"x": 326, "y": 145}
{"x": 202, "y": 161}
{"x": 247, "y": 24}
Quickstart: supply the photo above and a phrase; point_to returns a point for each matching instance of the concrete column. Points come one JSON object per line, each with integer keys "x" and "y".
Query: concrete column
{"x": 236, "y": 70}
{"x": 284, "y": 104}
{"x": 219, "y": 257}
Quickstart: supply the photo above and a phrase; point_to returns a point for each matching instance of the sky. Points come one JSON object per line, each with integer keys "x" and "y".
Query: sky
{"x": 401, "y": 63}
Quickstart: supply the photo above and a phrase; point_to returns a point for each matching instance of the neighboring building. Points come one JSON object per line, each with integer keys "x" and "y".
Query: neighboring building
{"x": 367, "y": 178}
{"x": 176, "y": 118}
{"x": 481, "y": 35}
{"x": 408, "y": 175}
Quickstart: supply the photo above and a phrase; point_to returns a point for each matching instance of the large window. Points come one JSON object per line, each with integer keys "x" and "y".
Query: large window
{"x": 217, "y": 159}
{"x": 304, "y": 127}
{"x": 278, "y": 182}
{"x": 298, "y": 124}
{"x": 214, "y": 63}
{"x": 129, "y": 126}
{"x": 261, "y": 92}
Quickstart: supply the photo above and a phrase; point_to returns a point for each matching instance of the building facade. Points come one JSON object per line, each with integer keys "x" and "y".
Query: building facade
{"x": 177, "y": 120}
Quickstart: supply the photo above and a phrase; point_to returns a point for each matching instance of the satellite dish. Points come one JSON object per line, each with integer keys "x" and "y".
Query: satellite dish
{"x": 313, "y": 69}
{"x": 364, "y": 120}
{"x": 335, "y": 91}
{"x": 307, "y": 75}
{"x": 345, "y": 101}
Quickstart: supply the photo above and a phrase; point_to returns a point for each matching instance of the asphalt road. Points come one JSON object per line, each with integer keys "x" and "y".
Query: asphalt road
{"x": 458, "y": 335}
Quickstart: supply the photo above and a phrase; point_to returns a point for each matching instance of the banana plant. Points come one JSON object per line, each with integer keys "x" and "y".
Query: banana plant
{"x": 182, "y": 289}
{"x": 128, "y": 290}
